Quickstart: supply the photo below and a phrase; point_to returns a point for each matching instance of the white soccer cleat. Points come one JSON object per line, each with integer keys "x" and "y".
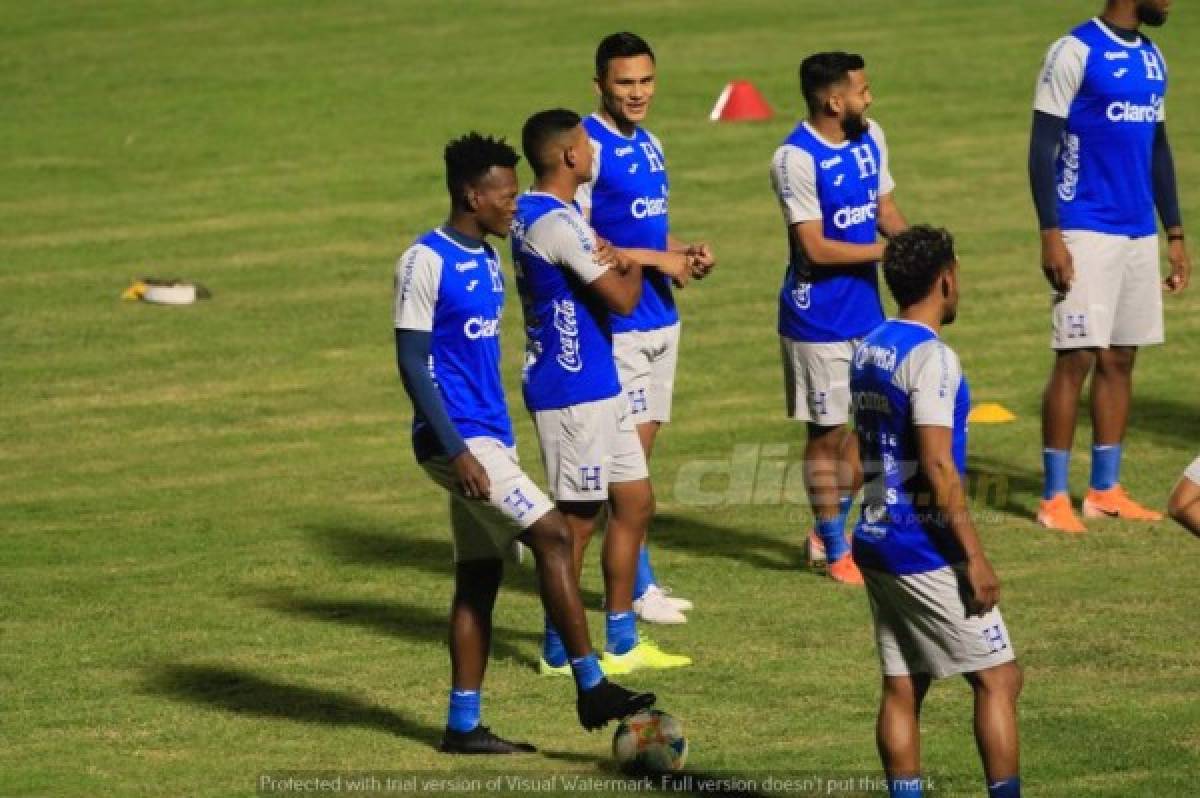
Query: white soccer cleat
{"x": 655, "y": 606}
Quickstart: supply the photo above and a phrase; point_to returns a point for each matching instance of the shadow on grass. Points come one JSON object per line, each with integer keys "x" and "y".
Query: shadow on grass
{"x": 1004, "y": 487}
{"x": 380, "y": 545}
{"x": 1173, "y": 422}
{"x": 397, "y": 619}
{"x": 703, "y": 539}
{"x": 244, "y": 693}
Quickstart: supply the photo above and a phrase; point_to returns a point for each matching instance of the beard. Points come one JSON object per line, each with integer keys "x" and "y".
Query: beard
{"x": 1147, "y": 14}
{"x": 854, "y": 126}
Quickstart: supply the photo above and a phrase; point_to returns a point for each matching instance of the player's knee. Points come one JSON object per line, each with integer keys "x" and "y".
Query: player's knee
{"x": 476, "y": 582}
{"x": 1004, "y": 680}
{"x": 1074, "y": 365}
{"x": 550, "y": 536}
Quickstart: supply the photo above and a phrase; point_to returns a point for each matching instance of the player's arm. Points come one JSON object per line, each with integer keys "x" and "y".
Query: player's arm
{"x": 1166, "y": 199}
{"x": 417, "y": 277}
{"x": 890, "y": 220}
{"x": 1058, "y": 83}
{"x": 794, "y": 178}
{"x": 931, "y": 375}
{"x": 673, "y": 263}
{"x": 1184, "y": 504}
{"x": 562, "y": 238}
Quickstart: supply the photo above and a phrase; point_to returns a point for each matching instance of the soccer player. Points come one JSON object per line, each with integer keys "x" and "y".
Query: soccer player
{"x": 932, "y": 590}
{"x": 588, "y": 442}
{"x": 1099, "y": 165}
{"x": 449, "y": 297}
{"x": 832, "y": 180}
{"x": 626, "y": 201}
{"x": 1184, "y": 504}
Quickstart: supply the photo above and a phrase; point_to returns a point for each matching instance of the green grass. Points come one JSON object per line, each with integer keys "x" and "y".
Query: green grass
{"x": 218, "y": 556}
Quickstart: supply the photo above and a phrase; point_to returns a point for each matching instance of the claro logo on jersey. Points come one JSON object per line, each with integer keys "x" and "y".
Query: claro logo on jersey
{"x": 645, "y": 207}
{"x": 478, "y": 327}
{"x": 850, "y": 216}
{"x": 1125, "y": 111}
{"x": 567, "y": 325}
{"x": 881, "y": 357}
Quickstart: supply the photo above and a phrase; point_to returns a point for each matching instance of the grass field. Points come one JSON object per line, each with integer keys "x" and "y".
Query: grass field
{"x": 218, "y": 558}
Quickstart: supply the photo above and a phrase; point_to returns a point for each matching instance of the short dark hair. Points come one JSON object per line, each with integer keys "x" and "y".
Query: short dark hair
{"x": 469, "y": 158}
{"x": 620, "y": 45}
{"x": 914, "y": 259}
{"x": 821, "y": 70}
{"x": 540, "y": 130}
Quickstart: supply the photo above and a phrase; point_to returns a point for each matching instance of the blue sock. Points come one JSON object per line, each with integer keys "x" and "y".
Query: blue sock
{"x": 833, "y": 534}
{"x": 553, "y": 650}
{"x": 621, "y": 632}
{"x": 1055, "y": 463}
{"x": 464, "y": 710}
{"x": 587, "y": 671}
{"x": 645, "y": 575}
{"x": 1106, "y": 466}
{"x": 844, "y": 504}
{"x": 906, "y": 787}
{"x": 1008, "y": 788}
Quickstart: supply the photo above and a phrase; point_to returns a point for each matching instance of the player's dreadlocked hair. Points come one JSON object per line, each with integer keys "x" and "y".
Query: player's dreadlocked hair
{"x": 914, "y": 259}
{"x": 619, "y": 45}
{"x": 540, "y": 131}
{"x": 469, "y": 158}
{"x": 821, "y": 70}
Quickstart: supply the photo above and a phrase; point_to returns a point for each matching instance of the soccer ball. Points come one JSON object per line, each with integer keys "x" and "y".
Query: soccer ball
{"x": 650, "y": 741}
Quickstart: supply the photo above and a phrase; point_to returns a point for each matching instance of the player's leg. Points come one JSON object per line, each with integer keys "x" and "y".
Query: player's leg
{"x": 578, "y": 521}
{"x": 898, "y": 732}
{"x": 825, "y": 480}
{"x": 1184, "y": 504}
{"x": 1137, "y": 321}
{"x": 996, "y": 691}
{"x": 599, "y": 701}
{"x": 1081, "y": 325}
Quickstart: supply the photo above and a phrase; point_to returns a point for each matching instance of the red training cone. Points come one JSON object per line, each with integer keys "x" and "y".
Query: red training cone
{"x": 740, "y": 102}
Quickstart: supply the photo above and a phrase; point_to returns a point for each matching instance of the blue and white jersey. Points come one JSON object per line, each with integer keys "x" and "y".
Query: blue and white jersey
{"x": 904, "y": 377}
{"x": 568, "y": 355}
{"x": 456, "y": 292}
{"x": 626, "y": 202}
{"x": 1112, "y": 93}
{"x": 840, "y": 185}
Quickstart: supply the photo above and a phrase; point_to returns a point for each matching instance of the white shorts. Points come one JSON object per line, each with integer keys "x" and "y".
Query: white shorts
{"x": 816, "y": 380}
{"x": 484, "y": 530}
{"x": 1193, "y": 471}
{"x": 922, "y": 625}
{"x": 1116, "y": 297}
{"x": 586, "y": 447}
{"x": 646, "y": 363}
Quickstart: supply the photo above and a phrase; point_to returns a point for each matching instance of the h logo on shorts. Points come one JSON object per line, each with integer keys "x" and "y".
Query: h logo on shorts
{"x": 994, "y": 637}
{"x": 820, "y": 402}
{"x": 1077, "y": 325}
{"x": 519, "y": 503}
{"x": 637, "y": 401}
{"x": 591, "y": 477}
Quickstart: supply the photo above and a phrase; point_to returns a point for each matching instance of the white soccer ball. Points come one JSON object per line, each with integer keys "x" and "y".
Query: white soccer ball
{"x": 650, "y": 741}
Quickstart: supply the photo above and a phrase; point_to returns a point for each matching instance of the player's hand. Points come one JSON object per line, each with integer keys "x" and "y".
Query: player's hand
{"x": 703, "y": 260}
{"x": 1057, "y": 263}
{"x": 678, "y": 266}
{"x": 985, "y": 586}
{"x": 608, "y": 256}
{"x": 472, "y": 477}
{"x": 1181, "y": 267}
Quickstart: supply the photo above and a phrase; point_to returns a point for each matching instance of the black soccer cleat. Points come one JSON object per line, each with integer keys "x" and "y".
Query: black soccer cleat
{"x": 607, "y": 701}
{"x": 480, "y": 740}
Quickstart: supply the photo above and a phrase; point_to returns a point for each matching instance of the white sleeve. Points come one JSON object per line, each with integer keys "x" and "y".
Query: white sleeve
{"x": 886, "y": 184}
{"x": 418, "y": 278}
{"x": 1061, "y": 77}
{"x": 930, "y": 375}
{"x": 583, "y": 194}
{"x": 1193, "y": 471}
{"x": 794, "y": 178}
{"x": 563, "y": 237}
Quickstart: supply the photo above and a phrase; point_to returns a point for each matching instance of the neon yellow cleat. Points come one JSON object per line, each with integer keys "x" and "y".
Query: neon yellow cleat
{"x": 646, "y": 654}
{"x": 606, "y": 667}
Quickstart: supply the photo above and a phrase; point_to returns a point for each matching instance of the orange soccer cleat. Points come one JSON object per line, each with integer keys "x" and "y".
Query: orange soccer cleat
{"x": 1057, "y": 513}
{"x": 845, "y": 571}
{"x": 1115, "y": 503}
